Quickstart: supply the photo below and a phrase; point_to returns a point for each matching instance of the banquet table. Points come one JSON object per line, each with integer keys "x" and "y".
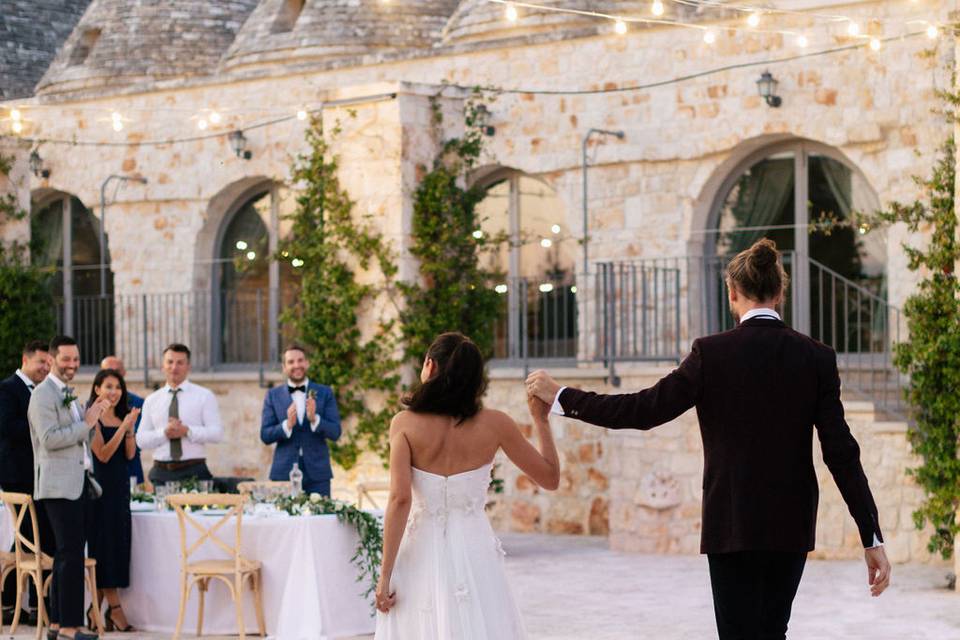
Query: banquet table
{"x": 310, "y": 588}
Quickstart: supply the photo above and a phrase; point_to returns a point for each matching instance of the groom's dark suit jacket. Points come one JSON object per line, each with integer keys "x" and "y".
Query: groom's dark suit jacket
{"x": 759, "y": 389}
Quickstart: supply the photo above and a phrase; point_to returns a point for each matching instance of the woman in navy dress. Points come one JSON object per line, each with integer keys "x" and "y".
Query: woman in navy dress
{"x": 113, "y": 444}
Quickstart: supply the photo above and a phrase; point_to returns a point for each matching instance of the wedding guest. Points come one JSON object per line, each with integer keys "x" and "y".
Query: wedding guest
{"x": 60, "y": 433}
{"x": 16, "y": 458}
{"x": 108, "y": 519}
{"x": 300, "y": 416}
{"x": 178, "y": 420}
{"x": 134, "y": 465}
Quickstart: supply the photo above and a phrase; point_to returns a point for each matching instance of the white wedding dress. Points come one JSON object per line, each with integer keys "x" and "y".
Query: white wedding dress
{"x": 449, "y": 576}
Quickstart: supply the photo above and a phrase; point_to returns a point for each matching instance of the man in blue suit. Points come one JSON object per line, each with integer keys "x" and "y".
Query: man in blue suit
{"x": 134, "y": 466}
{"x": 300, "y": 416}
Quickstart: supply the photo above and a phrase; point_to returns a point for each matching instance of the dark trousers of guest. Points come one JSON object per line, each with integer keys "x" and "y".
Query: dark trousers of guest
{"x": 753, "y": 592}
{"x": 163, "y": 472}
{"x": 66, "y": 588}
{"x": 46, "y": 545}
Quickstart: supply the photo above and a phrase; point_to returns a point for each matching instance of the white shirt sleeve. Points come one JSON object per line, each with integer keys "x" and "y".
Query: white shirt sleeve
{"x": 876, "y": 542}
{"x": 287, "y": 429}
{"x": 556, "y": 408}
{"x": 315, "y": 423}
{"x": 150, "y": 434}
{"x": 211, "y": 430}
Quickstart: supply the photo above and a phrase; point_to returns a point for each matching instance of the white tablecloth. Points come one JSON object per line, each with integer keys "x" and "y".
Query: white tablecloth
{"x": 310, "y": 590}
{"x": 6, "y": 529}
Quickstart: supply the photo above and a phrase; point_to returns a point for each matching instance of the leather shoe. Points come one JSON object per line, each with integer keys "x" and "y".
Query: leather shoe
{"x": 79, "y": 635}
{"x": 52, "y": 634}
{"x": 7, "y": 617}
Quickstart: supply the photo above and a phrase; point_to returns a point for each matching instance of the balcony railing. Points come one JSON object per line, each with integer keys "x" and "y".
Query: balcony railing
{"x": 621, "y": 312}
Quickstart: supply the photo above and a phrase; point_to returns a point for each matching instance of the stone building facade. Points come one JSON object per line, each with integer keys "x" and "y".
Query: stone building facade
{"x": 160, "y": 88}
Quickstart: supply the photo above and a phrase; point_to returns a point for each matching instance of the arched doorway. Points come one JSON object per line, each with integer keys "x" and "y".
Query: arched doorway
{"x": 249, "y": 287}
{"x": 537, "y": 260}
{"x": 804, "y": 195}
{"x": 65, "y": 238}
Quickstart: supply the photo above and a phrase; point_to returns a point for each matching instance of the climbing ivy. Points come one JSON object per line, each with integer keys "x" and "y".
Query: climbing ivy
{"x": 931, "y": 354}
{"x": 454, "y": 292}
{"x": 333, "y": 245}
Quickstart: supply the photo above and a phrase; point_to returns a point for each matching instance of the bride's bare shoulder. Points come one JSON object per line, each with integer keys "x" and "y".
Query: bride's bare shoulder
{"x": 495, "y": 418}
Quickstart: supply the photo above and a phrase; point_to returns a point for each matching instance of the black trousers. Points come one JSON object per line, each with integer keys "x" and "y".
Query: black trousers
{"x": 46, "y": 545}
{"x": 198, "y": 470}
{"x": 753, "y": 592}
{"x": 66, "y": 588}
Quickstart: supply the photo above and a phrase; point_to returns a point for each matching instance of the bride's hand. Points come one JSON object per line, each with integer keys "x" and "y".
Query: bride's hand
{"x": 539, "y": 410}
{"x": 385, "y": 600}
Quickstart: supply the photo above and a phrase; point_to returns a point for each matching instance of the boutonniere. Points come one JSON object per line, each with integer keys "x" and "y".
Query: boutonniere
{"x": 312, "y": 394}
{"x": 68, "y": 397}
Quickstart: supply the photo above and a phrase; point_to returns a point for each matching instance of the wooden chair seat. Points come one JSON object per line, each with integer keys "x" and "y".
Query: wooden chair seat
{"x": 46, "y": 563}
{"x": 221, "y": 567}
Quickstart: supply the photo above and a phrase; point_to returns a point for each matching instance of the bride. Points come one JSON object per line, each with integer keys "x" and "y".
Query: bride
{"x": 443, "y": 573}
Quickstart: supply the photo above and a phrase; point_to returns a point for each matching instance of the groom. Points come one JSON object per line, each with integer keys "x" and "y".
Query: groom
{"x": 759, "y": 391}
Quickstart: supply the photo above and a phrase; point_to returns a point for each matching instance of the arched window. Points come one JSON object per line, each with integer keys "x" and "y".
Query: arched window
{"x": 805, "y": 196}
{"x": 65, "y": 238}
{"x": 537, "y": 260}
{"x": 249, "y": 287}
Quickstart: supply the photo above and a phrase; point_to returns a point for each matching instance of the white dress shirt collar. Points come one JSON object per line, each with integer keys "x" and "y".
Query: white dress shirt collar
{"x": 305, "y": 384}
{"x": 183, "y": 386}
{"x": 27, "y": 381}
{"x": 57, "y": 381}
{"x": 761, "y": 313}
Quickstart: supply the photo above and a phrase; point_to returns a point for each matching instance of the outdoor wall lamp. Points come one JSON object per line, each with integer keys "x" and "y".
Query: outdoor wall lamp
{"x": 767, "y": 86}
{"x": 238, "y": 142}
{"x": 36, "y": 165}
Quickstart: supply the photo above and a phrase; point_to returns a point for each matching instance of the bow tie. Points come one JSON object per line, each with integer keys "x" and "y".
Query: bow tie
{"x": 301, "y": 388}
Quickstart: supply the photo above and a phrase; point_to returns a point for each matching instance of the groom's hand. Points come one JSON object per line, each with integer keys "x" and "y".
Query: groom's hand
{"x": 878, "y": 570}
{"x": 541, "y": 385}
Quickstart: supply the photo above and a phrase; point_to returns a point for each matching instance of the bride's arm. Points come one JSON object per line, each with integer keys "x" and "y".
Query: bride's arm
{"x": 398, "y": 508}
{"x": 542, "y": 466}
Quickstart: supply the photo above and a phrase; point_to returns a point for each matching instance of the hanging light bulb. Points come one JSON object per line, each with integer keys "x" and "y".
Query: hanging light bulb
{"x": 511, "y": 13}
{"x": 202, "y": 124}
{"x": 802, "y": 41}
{"x": 546, "y": 243}
{"x": 118, "y": 125}
{"x": 709, "y": 36}
{"x": 16, "y": 126}
{"x": 478, "y": 234}
{"x": 875, "y": 44}
{"x": 302, "y": 114}
{"x": 657, "y": 8}
{"x": 620, "y": 26}
{"x": 214, "y": 117}
{"x": 754, "y": 19}
{"x": 932, "y": 32}
{"x": 555, "y": 228}
{"x": 853, "y": 29}
{"x": 15, "y": 114}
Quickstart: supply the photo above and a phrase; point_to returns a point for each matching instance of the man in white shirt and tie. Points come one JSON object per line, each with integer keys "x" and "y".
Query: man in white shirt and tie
{"x": 177, "y": 421}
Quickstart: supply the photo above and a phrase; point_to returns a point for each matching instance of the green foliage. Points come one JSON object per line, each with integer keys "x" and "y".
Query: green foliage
{"x": 931, "y": 356}
{"x": 454, "y": 292}
{"x": 369, "y": 530}
{"x": 26, "y": 300}
{"x": 332, "y": 245}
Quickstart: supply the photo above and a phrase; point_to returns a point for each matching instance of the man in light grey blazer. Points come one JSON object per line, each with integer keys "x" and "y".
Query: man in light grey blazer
{"x": 60, "y": 432}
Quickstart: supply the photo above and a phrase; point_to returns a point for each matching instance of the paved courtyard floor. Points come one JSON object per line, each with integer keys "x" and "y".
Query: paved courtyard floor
{"x": 574, "y": 588}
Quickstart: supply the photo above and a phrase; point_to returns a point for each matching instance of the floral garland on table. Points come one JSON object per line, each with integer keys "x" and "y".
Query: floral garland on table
{"x": 368, "y": 526}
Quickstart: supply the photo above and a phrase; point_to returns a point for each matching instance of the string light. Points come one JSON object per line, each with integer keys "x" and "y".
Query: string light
{"x": 657, "y": 8}
{"x": 511, "y": 13}
{"x": 202, "y": 124}
{"x": 117, "y": 121}
{"x": 478, "y": 234}
{"x": 546, "y": 243}
{"x": 15, "y": 114}
{"x": 709, "y": 36}
{"x": 16, "y": 126}
{"x": 875, "y": 44}
{"x": 802, "y": 41}
{"x": 853, "y": 29}
{"x": 301, "y": 114}
{"x": 754, "y": 19}
{"x": 620, "y": 27}
{"x": 932, "y": 32}
{"x": 555, "y": 228}
{"x": 214, "y": 117}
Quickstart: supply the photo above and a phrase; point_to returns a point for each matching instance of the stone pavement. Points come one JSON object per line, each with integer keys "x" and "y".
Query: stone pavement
{"x": 574, "y": 588}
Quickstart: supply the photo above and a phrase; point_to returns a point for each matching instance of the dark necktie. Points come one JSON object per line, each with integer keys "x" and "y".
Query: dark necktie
{"x": 176, "y": 446}
{"x": 301, "y": 388}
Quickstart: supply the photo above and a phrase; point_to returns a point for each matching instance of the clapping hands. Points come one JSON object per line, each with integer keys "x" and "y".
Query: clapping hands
{"x": 130, "y": 420}
{"x": 95, "y": 410}
{"x": 175, "y": 429}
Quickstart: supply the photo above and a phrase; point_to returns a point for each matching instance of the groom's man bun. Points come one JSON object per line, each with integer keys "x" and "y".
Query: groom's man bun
{"x": 758, "y": 272}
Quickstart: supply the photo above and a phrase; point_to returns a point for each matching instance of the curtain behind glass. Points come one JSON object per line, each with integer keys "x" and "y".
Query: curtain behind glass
{"x": 760, "y": 196}
{"x": 46, "y": 241}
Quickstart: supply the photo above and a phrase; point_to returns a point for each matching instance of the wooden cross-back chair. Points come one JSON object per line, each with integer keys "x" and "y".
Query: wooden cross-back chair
{"x": 30, "y": 562}
{"x": 367, "y": 489}
{"x": 233, "y": 571}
